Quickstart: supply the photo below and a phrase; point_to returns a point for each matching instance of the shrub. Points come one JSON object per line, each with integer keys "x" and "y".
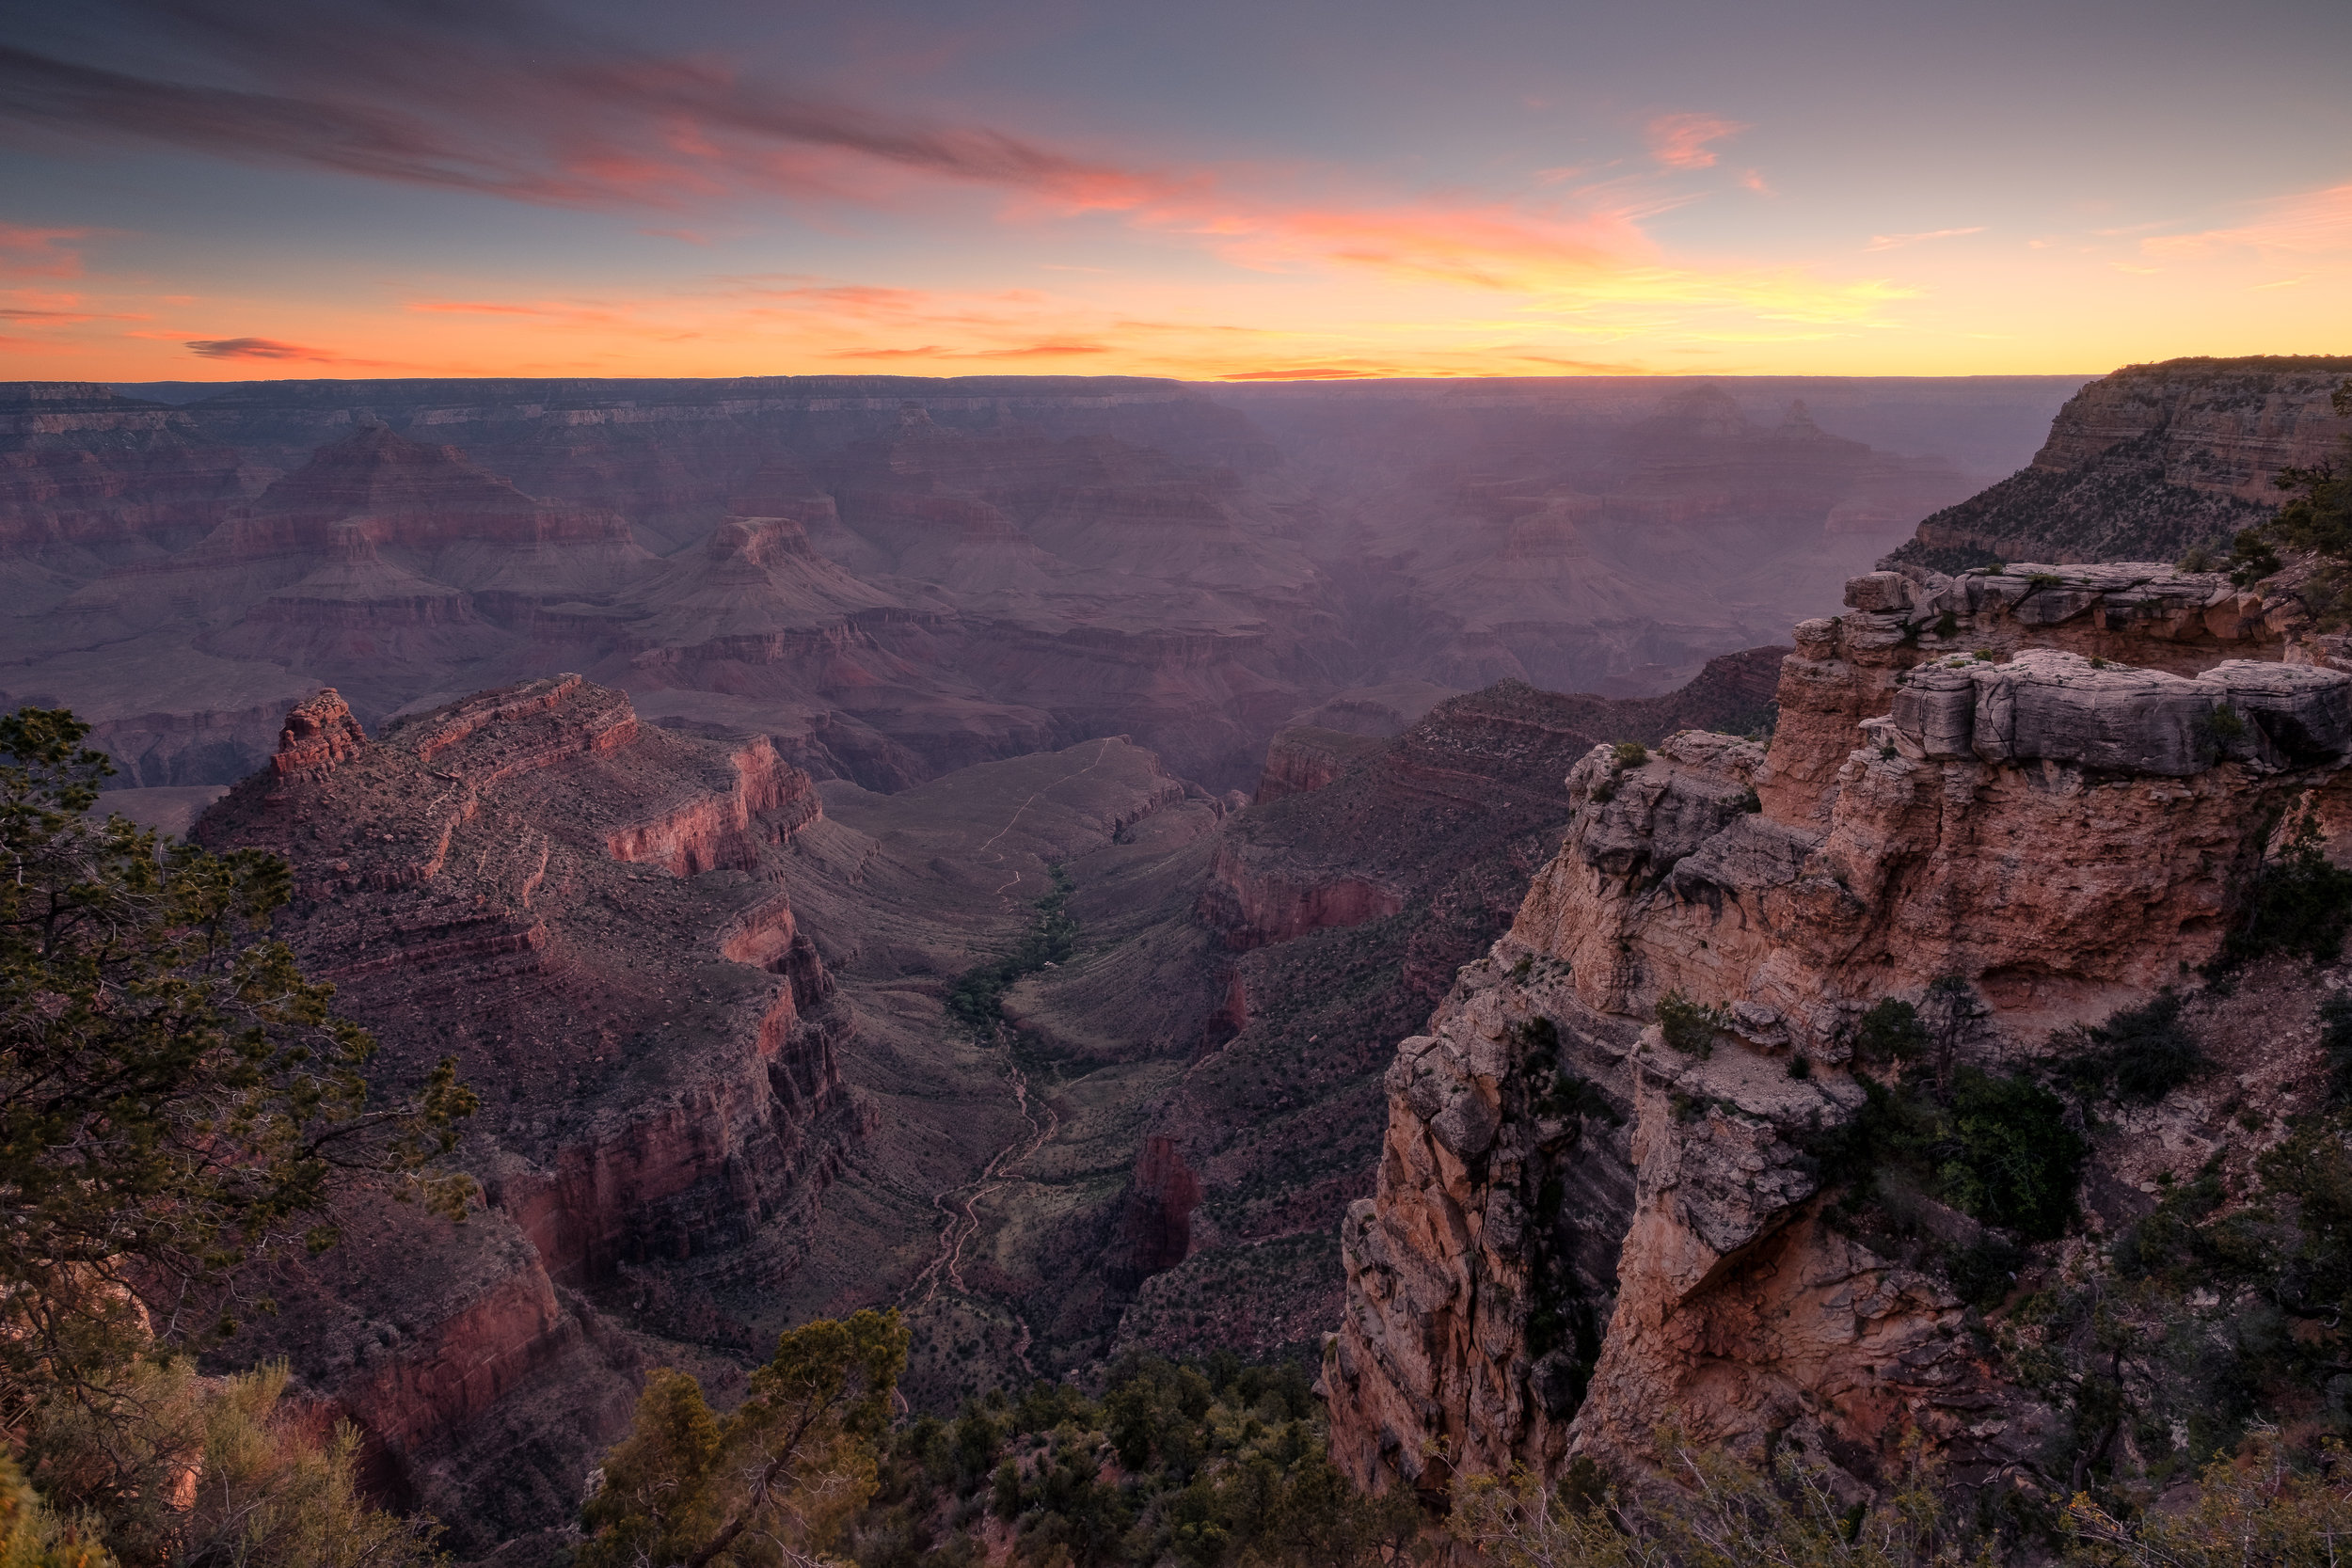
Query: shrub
{"x": 2300, "y": 904}
{"x": 1891, "y": 1032}
{"x": 2251, "y": 558}
{"x": 2335, "y": 1038}
{"x": 2143, "y": 1054}
{"x": 1947, "y": 625}
{"x": 2011, "y": 1159}
{"x": 1630, "y": 753}
{"x": 1691, "y": 1027}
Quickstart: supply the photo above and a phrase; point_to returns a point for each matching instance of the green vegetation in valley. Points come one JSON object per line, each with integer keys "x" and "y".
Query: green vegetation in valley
{"x": 977, "y": 998}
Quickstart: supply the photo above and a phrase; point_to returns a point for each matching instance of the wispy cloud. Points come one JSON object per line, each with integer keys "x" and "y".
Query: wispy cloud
{"x": 40, "y": 252}
{"x": 2310, "y": 223}
{"x": 1896, "y": 242}
{"x": 1683, "y": 141}
{"x": 270, "y": 349}
{"x": 502, "y": 98}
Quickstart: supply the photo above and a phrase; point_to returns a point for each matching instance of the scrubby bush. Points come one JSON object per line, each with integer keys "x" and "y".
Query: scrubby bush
{"x": 1630, "y": 753}
{"x": 2300, "y": 904}
{"x": 2142, "y": 1053}
{"x": 1891, "y": 1031}
{"x": 1221, "y": 1463}
{"x": 1691, "y": 1027}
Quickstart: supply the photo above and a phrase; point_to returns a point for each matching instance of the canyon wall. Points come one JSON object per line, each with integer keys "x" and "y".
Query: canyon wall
{"x": 590, "y": 914}
{"x": 896, "y": 578}
{"x": 2149, "y": 462}
{"x": 2015, "y": 801}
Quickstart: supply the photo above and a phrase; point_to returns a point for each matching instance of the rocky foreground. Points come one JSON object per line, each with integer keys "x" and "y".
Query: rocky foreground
{"x": 2020, "y": 801}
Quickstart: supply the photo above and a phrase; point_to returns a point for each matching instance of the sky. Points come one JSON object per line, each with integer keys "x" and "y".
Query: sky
{"x": 1217, "y": 189}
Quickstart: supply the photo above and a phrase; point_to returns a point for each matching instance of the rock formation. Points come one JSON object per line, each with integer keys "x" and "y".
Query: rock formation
{"x": 2017, "y": 801}
{"x": 2149, "y": 462}
{"x": 591, "y": 914}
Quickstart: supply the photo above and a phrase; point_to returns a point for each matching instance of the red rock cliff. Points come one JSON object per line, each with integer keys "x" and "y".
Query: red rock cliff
{"x": 1577, "y": 1230}
{"x": 591, "y": 914}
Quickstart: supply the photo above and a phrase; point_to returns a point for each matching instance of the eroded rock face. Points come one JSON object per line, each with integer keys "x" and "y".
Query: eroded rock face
{"x": 590, "y": 913}
{"x": 1969, "y": 780}
{"x": 2150, "y": 462}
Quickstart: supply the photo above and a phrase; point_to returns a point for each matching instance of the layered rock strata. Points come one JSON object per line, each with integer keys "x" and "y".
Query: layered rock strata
{"x": 590, "y": 913}
{"x": 1579, "y": 1229}
{"x": 2150, "y": 461}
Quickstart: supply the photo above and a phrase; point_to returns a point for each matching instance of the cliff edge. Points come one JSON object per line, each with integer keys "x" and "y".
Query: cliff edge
{"x": 1637, "y": 1166}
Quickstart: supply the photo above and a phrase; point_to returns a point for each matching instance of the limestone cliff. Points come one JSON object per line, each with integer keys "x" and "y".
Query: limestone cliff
{"x": 2017, "y": 803}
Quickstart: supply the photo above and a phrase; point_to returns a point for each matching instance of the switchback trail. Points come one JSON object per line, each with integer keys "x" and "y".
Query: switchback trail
{"x": 959, "y": 1205}
{"x": 1100, "y": 753}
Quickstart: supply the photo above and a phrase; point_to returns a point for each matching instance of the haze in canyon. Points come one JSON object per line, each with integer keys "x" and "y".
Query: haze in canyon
{"x": 1249, "y": 785}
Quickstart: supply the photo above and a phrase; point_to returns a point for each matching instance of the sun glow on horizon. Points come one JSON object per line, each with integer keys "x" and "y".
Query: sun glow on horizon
{"x": 585, "y": 207}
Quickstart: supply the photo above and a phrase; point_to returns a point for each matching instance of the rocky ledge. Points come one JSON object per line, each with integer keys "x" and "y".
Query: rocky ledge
{"x": 2039, "y": 797}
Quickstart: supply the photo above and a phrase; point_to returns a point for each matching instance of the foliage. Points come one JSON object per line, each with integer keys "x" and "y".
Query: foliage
{"x": 2009, "y": 1159}
{"x": 31, "y": 1533}
{"x": 2143, "y": 1054}
{"x": 2258, "y": 1511}
{"x": 775, "y": 1481}
{"x": 2300, "y": 904}
{"x": 1629, "y": 754}
{"x": 175, "y": 1096}
{"x": 186, "y": 1470}
{"x": 2251, "y": 558}
{"x": 1710, "y": 1511}
{"x": 1997, "y": 1148}
{"x": 977, "y": 998}
{"x": 1198, "y": 1465}
{"x": 1691, "y": 1027}
{"x": 1891, "y": 1031}
{"x": 2335, "y": 1039}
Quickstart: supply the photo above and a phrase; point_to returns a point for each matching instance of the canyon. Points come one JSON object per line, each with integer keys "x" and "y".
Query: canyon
{"x": 696, "y": 753}
{"x": 897, "y": 578}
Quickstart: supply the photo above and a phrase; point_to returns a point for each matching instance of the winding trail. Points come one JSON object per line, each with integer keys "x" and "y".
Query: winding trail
{"x": 959, "y": 1206}
{"x": 1100, "y": 752}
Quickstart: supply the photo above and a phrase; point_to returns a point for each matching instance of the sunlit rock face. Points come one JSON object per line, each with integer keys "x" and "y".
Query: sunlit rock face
{"x": 2051, "y": 783}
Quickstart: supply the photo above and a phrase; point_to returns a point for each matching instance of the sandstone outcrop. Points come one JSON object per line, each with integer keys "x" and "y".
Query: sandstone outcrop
{"x": 590, "y": 913}
{"x": 2029, "y": 799}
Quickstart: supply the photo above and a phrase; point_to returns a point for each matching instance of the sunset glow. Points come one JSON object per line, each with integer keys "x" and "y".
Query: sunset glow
{"x": 232, "y": 190}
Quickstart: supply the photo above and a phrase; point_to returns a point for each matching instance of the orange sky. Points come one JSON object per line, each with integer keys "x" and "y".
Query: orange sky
{"x": 597, "y": 205}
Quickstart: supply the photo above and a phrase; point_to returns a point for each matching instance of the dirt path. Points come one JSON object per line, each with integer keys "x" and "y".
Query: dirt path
{"x": 959, "y": 1205}
{"x": 1100, "y": 753}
